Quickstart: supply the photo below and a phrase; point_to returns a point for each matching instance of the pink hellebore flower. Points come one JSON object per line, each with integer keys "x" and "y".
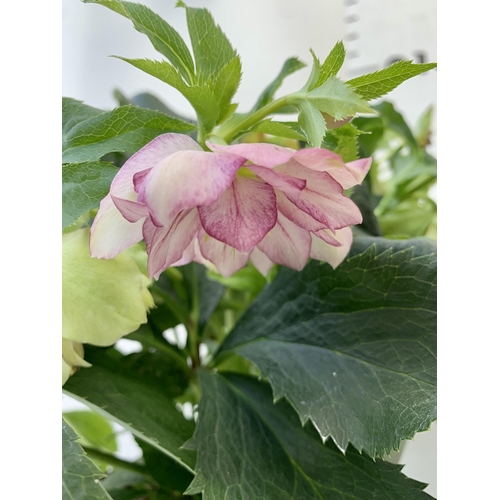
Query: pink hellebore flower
{"x": 260, "y": 202}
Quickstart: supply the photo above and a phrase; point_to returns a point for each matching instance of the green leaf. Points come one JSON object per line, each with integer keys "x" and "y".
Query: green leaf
{"x": 80, "y": 477}
{"x": 124, "y": 129}
{"x": 343, "y": 141}
{"x": 278, "y": 129}
{"x": 379, "y": 83}
{"x": 84, "y": 185}
{"x": 394, "y": 120}
{"x": 249, "y": 447}
{"x": 353, "y": 349}
{"x": 314, "y": 75}
{"x": 94, "y": 429}
{"x": 337, "y": 100}
{"x": 225, "y": 85}
{"x": 362, "y": 196}
{"x": 423, "y": 127}
{"x": 74, "y": 112}
{"x": 290, "y": 66}
{"x": 163, "y": 37}
{"x": 313, "y": 124}
{"x": 202, "y": 98}
{"x": 373, "y": 129}
{"x": 121, "y": 395}
{"x": 332, "y": 64}
{"x": 211, "y": 48}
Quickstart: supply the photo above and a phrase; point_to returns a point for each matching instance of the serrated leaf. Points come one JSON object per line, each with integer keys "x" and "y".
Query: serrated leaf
{"x": 278, "y": 129}
{"x": 225, "y": 85}
{"x": 163, "y": 37}
{"x": 343, "y": 141}
{"x": 373, "y": 129}
{"x": 336, "y": 99}
{"x": 314, "y": 75}
{"x": 94, "y": 429}
{"x": 211, "y": 48}
{"x": 375, "y": 85}
{"x": 332, "y": 64}
{"x": 121, "y": 395}
{"x": 249, "y": 447}
{"x": 353, "y": 349}
{"x": 84, "y": 185}
{"x": 201, "y": 97}
{"x": 80, "y": 477}
{"x": 313, "y": 124}
{"x": 74, "y": 112}
{"x": 290, "y": 66}
{"x": 124, "y": 129}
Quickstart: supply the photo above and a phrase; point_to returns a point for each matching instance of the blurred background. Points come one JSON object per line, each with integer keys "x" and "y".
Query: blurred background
{"x": 265, "y": 33}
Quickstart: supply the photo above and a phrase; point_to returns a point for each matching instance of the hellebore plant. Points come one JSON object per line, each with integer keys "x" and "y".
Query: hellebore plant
{"x": 311, "y": 336}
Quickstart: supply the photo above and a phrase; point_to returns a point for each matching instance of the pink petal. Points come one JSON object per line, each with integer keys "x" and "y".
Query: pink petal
{"x": 296, "y": 215}
{"x": 131, "y": 210}
{"x": 139, "y": 178}
{"x": 283, "y": 182}
{"x": 185, "y": 180}
{"x": 322, "y": 160}
{"x": 334, "y": 255}
{"x": 287, "y": 244}
{"x": 322, "y": 198}
{"x": 166, "y": 245}
{"x": 243, "y": 215}
{"x": 110, "y": 233}
{"x": 192, "y": 253}
{"x": 225, "y": 258}
{"x": 261, "y": 261}
{"x": 327, "y": 236}
{"x": 265, "y": 155}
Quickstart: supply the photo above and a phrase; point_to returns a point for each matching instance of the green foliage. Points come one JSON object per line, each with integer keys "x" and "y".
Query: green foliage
{"x": 124, "y": 129}
{"x": 379, "y": 83}
{"x": 249, "y": 447}
{"x": 278, "y": 129}
{"x": 366, "y": 330}
{"x": 74, "y": 112}
{"x": 94, "y": 430}
{"x": 84, "y": 186}
{"x": 332, "y": 64}
{"x": 311, "y": 121}
{"x": 343, "y": 141}
{"x": 80, "y": 477}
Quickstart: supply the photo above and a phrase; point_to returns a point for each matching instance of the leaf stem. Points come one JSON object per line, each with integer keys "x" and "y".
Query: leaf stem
{"x": 114, "y": 461}
{"x": 257, "y": 116}
{"x": 192, "y": 324}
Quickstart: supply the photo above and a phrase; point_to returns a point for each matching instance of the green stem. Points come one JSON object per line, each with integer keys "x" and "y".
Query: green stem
{"x": 256, "y": 117}
{"x": 192, "y": 325}
{"x": 114, "y": 461}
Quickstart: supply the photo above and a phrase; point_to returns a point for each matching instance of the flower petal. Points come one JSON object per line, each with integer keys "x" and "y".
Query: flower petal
{"x": 334, "y": 255}
{"x": 243, "y": 215}
{"x": 131, "y": 210}
{"x": 296, "y": 215}
{"x": 322, "y": 160}
{"x": 166, "y": 245}
{"x": 287, "y": 244}
{"x": 102, "y": 299}
{"x": 225, "y": 258}
{"x": 265, "y": 155}
{"x": 185, "y": 180}
{"x": 261, "y": 261}
{"x": 327, "y": 236}
{"x": 322, "y": 198}
{"x": 111, "y": 233}
{"x": 283, "y": 182}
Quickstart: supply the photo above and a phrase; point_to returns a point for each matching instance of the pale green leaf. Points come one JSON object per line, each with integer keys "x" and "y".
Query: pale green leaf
{"x": 163, "y": 37}
{"x": 343, "y": 141}
{"x": 290, "y": 66}
{"x": 84, "y": 185}
{"x": 379, "y": 83}
{"x": 80, "y": 477}
{"x": 336, "y": 99}
{"x": 94, "y": 429}
{"x": 225, "y": 85}
{"x": 124, "y": 129}
{"x": 332, "y": 64}
{"x": 353, "y": 349}
{"x": 211, "y": 48}
{"x": 312, "y": 123}
{"x": 250, "y": 448}
{"x": 279, "y": 129}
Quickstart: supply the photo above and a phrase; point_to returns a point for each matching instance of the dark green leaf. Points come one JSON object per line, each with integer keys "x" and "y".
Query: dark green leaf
{"x": 332, "y": 64}
{"x": 211, "y": 48}
{"x": 395, "y": 121}
{"x": 94, "y": 429}
{"x": 313, "y": 124}
{"x": 124, "y": 129}
{"x": 74, "y": 112}
{"x": 80, "y": 477}
{"x": 84, "y": 185}
{"x": 163, "y": 37}
{"x": 121, "y": 395}
{"x": 279, "y": 129}
{"x": 353, "y": 349}
{"x": 249, "y": 447}
{"x": 374, "y": 130}
{"x": 379, "y": 83}
{"x": 362, "y": 196}
{"x": 290, "y": 66}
